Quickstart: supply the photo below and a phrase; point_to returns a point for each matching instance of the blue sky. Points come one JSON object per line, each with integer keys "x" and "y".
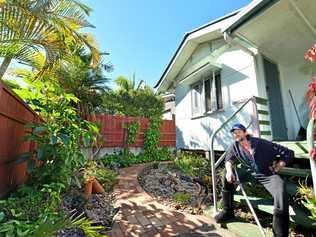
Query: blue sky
{"x": 141, "y": 36}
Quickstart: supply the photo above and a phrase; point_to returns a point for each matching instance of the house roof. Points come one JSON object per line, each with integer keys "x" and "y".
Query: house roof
{"x": 185, "y": 38}
{"x": 239, "y": 17}
{"x": 249, "y": 11}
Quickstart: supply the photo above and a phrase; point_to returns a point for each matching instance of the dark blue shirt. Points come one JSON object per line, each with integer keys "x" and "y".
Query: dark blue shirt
{"x": 264, "y": 154}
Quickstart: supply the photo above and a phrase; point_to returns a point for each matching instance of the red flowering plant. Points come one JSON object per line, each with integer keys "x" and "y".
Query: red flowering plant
{"x": 310, "y": 54}
{"x": 310, "y": 96}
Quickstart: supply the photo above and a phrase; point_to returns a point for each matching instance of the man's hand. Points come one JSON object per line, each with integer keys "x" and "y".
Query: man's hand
{"x": 312, "y": 153}
{"x": 230, "y": 177}
{"x": 277, "y": 166}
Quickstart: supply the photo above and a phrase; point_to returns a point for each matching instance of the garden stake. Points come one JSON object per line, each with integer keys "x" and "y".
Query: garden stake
{"x": 249, "y": 204}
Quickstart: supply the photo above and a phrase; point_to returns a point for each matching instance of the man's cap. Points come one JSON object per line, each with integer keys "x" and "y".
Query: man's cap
{"x": 238, "y": 126}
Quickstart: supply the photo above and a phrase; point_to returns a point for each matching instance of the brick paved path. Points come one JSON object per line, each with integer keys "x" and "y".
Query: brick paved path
{"x": 141, "y": 215}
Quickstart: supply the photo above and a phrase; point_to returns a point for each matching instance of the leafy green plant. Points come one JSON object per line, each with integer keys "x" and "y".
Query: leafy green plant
{"x": 59, "y": 137}
{"x": 26, "y": 208}
{"x": 15, "y": 228}
{"x": 308, "y": 199}
{"x": 190, "y": 163}
{"x": 87, "y": 226}
{"x": 132, "y": 130}
{"x": 151, "y": 138}
{"x": 104, "y": 175}
{"x": 120, "y": 160}
{"x": 182, "y": 197}
{"x": 130, "y": 99}
{"x": 50, "y": 227}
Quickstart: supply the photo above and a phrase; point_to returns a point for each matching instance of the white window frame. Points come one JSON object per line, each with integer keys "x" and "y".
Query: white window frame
{"x": 196, "y": 110}
{"x": 201, "y": 97}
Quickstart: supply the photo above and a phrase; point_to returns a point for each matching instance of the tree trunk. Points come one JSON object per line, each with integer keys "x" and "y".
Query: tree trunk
{"x": 4, "y": 66}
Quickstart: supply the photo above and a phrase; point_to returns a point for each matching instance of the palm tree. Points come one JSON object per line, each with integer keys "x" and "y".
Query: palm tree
{"x": 87, "y": 83}
{"x": 31, "y": 28}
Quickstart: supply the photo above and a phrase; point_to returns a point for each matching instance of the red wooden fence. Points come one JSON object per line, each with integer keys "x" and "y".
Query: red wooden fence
{"x": 14, "y": 115}
{"x": 112, "y": 130}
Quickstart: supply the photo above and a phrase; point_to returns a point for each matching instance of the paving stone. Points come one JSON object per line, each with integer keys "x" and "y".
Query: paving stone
{"x": 156, "y": 222}
{"x": 132, "y": 219}
{"x": 142, "y": 219}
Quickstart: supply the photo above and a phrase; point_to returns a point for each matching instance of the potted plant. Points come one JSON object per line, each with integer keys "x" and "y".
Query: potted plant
{"x": 91, "y": 184}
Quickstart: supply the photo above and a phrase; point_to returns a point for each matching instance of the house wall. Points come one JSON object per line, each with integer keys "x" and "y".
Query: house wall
{"x": 238, "y": 83}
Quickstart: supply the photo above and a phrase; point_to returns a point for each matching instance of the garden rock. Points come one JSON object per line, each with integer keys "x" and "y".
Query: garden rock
{"x": 71, "y": 233}
{"x": 164, "y": 181}
{"x": 100, "y": 210}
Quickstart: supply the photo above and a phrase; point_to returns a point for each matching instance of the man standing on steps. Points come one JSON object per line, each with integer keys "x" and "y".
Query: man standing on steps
{"x": 262, "y": 160}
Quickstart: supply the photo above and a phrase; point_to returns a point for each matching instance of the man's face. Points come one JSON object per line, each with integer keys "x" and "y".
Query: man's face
{"x": 239, "y": 135}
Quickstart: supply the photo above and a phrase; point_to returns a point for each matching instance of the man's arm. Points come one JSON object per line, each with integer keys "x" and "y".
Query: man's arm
{"x": 286, "y": 155}
{"x": 230, "y": 177}
{"x": 229, "y": 163}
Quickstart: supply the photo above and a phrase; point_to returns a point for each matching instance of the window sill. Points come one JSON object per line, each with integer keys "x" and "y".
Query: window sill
{"x": 207, "y": 114}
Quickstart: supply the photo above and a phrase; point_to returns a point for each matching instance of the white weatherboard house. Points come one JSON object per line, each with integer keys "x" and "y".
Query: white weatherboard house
{"x": 256, "y": 51}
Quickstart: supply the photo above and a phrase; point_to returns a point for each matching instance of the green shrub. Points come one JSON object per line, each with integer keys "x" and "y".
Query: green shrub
{"x": 23, "y": 211}
{"x": 308, "y": 199}
{"x": 132, "y": 130}
{"x": 191, "y": 164}
{"x": 126, "y": 159}
{"x": 107, "y": 177}
{"x": 182, "y": 197}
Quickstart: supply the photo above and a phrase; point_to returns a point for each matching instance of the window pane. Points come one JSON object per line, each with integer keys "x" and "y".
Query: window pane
{"x": 213, "y": 96}
{"x": 207, "y": 86}
{"x": 218, "y": 85}
{"x": 196, "y": 98}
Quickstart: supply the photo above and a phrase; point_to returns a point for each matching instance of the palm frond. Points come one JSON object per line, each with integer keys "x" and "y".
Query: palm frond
{"x": 26, "y": 53}
{"x": 44, "y": 25}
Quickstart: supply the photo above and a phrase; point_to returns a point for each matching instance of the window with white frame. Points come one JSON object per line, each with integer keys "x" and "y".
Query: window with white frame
{"x": 207, "y": 94}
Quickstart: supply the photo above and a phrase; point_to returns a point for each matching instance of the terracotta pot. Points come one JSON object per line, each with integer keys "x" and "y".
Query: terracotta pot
{"x": 88, "y": 186}
{"x": 97, "y": 187}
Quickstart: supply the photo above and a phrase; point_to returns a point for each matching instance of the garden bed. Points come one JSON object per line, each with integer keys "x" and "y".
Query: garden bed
{"x": 98, "y": 208}
{"x": 169, "y": 185}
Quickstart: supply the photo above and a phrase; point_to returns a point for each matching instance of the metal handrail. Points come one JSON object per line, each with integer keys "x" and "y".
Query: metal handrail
{"x": 212, "y": 154}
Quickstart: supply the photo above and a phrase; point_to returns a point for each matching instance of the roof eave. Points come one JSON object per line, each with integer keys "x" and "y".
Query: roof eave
{"x": 247, "y": 13}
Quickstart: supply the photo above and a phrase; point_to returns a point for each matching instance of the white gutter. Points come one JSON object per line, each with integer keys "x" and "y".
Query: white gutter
{"x": 229, "y": 40}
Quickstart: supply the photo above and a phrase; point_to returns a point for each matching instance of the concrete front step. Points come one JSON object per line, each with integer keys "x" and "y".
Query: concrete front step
{"x": 237, "y": 226}
{"x": 243, "y": 229}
